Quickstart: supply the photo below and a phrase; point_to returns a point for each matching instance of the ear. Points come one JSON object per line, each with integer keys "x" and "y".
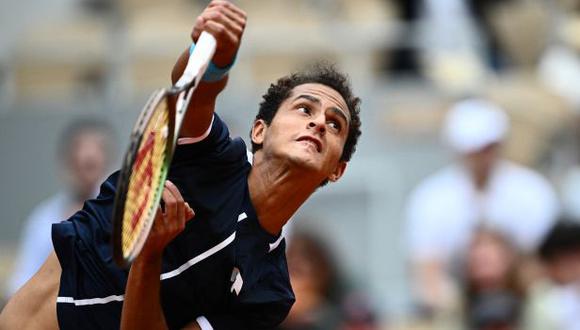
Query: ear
{"x": 338, "y": 171}
{"x": 258, "y": 131}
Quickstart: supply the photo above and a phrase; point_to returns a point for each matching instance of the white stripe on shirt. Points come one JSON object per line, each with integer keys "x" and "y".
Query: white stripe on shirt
{"x": 164, "y": 276}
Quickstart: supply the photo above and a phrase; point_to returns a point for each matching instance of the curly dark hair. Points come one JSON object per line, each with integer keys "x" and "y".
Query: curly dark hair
{"x": 319, "y": 73}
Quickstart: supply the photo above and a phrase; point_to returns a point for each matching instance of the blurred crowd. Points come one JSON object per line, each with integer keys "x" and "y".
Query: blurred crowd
{"x": 489, "y": 246}
{"x": 492, "y": 239}
{"x": 494, "y": 244}
{"x": 84, "y": 153}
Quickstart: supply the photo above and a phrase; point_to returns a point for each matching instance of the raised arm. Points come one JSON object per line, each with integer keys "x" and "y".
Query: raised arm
{"x": 226, "y": 23}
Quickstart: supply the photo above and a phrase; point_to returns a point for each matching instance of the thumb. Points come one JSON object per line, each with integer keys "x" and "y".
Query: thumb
{"x": 189, "y": 213}
{"x": 197, "y": 29}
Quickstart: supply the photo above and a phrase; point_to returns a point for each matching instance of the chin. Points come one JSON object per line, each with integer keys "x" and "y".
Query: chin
{"x": 304, "y": 160}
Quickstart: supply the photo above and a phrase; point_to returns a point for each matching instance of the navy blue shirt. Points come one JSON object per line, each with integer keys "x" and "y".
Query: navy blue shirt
{"x": 223, "y": 270}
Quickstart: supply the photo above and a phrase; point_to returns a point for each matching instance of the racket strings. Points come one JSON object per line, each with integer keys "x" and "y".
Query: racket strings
{"x": 144, "y": 189}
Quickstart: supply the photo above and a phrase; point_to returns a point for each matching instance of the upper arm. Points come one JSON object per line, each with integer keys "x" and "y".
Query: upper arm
{"x": 192, "y": 326}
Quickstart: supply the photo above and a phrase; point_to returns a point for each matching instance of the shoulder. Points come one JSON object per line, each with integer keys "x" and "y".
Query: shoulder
{"x": 215, "y": 144}
{"x": 521, "y": 188}
{"x": 522, "y": 176}
{"x": 525, "y": 183}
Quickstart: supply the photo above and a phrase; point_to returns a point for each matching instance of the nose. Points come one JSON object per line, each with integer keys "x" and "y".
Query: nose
{"x": 318, "y": 125}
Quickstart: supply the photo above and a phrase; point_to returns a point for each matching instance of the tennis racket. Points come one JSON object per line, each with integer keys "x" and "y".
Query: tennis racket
{"x": 146, "y": 162}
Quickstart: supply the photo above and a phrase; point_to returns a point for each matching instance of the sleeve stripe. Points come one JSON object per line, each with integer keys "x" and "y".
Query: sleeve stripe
{"x": 190, "y": 140}
{"x": 203, "y": 323}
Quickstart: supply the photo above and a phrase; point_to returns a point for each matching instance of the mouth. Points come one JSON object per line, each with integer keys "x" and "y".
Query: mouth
{"x": 311, "y": 140}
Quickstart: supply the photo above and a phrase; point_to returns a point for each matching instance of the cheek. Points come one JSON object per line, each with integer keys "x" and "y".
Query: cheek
{"x": 275, "y": 137}
{"x": 337, "y": 147}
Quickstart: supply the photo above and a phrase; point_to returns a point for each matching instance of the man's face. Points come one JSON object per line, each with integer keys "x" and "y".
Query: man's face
{"x": 481, "y": 162}
{"x": 309, "y": 130}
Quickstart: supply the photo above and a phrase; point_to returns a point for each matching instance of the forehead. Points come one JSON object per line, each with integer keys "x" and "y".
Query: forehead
{"x": 324, "y": 93}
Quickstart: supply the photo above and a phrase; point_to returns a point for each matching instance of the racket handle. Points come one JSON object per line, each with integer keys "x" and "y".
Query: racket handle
{"x": 198, "y": 60}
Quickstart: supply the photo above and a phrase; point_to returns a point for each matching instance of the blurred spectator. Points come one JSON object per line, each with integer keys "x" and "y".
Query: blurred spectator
{"x": 403, "y": 58}
{"x": 357, "y": 313}
{"x": 494, "y": 311}
{"x": 320, "y": 300}
{"x": 84, "y": 153}
{"x": 313, "y": 276}
{"x": 452, "y": 53}
{"x": 482, "y": 11}
{"x": 554, "y": 303}
{"x": 492, "y": 291}
{"x": 567, "y": 171}
{"x": 479, "y": 190}
{"x": 570, "y": 190}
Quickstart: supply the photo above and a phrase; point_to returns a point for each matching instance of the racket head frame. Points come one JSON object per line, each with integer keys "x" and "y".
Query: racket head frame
{"x": 177, "y": 98}
{"x": 121, "y": 257}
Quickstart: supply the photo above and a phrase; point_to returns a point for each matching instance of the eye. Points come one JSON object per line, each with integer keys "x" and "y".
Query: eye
{"x": 304, "y": 109}
{"x": 335, "y": 125}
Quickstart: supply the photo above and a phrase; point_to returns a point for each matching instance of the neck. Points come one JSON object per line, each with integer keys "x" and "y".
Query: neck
{"x": 277, "y": 190}
{"x": 481, "y": 180}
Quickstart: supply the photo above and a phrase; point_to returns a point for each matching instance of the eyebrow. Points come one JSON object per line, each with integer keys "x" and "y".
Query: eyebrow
{"x": 316, "y": 100}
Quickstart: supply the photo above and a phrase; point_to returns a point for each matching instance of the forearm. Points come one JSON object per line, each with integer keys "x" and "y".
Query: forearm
{"x": 142, "y": 306}
{"x": 201, "y": 108}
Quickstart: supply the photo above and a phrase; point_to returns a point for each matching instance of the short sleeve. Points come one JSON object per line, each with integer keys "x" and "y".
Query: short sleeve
{"x": 83, "y": 246}
{"x": 217, "y": 140}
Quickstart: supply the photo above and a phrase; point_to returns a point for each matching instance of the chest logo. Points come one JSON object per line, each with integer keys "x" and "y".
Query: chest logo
{"x": 237, "y": 281}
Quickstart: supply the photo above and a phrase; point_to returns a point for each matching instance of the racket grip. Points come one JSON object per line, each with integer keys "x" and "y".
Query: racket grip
{"x": 213, "y": 72}
{"x": 199, "y": 59}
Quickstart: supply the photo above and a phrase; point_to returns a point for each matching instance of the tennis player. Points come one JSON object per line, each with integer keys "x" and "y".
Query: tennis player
{"x": 226, "y": 268}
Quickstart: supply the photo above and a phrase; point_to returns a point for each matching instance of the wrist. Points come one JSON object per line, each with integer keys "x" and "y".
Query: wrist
{"x": 148, "y": 257}
{"x": 218, "y": 68}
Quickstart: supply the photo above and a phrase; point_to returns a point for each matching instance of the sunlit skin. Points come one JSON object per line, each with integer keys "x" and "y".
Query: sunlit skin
{"x": 307, "y": 133}
{"x": 301, "y": 148}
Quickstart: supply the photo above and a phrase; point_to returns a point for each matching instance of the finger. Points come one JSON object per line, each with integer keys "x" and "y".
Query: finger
{"x": 230, "y": 6}
{"x": 180, "y": 214}
{"x": 232, "y": 15}
{"x": 197, "y": 29}
{"x": 222, "y": 18}
{"x": 179, "y": 221}
{"x": 174, "y": 190}
{"x": 221, "y": 33}
{"x": 189, "y": 213}
{"x": 170, "y": 205}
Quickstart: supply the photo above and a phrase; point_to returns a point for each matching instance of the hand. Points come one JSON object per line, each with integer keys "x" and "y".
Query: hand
{"x": 167, "y": 225}
{"x": 226, "y": 23}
